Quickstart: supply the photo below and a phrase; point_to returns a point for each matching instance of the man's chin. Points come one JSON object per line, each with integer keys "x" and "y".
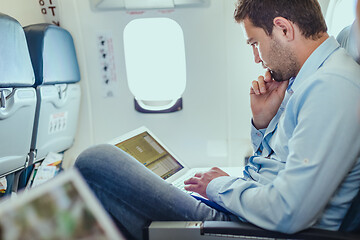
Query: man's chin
{"x": 278, "y": 77}
{"x": 275, "y": 76}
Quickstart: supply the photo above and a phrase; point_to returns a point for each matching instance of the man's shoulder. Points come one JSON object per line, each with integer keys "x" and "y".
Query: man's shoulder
{"x": 340, "y": 67}
{"x": 339, "y": 74}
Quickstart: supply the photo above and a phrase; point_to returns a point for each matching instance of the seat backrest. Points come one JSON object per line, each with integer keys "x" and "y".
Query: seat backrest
{"x": 52, "y": 53}
{"x": 348, "y": 38}
{"x": 57, "y": 72}
{"x": 15, "y": 67}
{"x": 17, "y": 97}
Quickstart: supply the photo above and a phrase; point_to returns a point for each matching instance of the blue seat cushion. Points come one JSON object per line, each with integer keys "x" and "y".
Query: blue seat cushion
{"x": 347, "y": 39}
{"x": 52, "y": 53}
{"x": 15, "y": 63}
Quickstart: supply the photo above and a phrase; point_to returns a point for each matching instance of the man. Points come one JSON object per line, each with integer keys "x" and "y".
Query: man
{"x": 306, "y": 136}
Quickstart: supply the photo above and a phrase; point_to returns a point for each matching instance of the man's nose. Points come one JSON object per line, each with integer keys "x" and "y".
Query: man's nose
{"x": 256, "y": 55}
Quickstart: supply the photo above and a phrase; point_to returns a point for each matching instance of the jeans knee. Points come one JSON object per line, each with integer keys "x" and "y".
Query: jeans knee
{"x": 94, "y": 156}
{"x": 103, "y": 157}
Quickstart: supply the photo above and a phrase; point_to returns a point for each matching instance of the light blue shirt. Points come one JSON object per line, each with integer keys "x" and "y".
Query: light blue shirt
{"x": 306, "y": 167}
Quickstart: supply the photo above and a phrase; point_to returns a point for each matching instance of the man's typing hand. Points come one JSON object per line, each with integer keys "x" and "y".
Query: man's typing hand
{"x": 200, "y": 181}
{"x": 266, "y": 96}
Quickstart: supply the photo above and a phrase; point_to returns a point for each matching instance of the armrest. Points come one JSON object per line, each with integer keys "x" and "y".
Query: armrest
{"x": 215, "y": 228}
{"x": 222, "y": 230}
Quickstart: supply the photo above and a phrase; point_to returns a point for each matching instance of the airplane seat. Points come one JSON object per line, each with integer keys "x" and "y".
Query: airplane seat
{"x": 351, "y": 221}
{"x": 348, "y": 38}
{"x": 17, "y": 97}
{"x": 57, "y": 74}
{"x": 222, "y": 230}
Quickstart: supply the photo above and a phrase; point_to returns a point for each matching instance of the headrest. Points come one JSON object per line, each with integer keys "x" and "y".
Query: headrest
{"x": 52, "y": 53}
{"x": 348, "y": 38}
{"x": 15, "y": 63}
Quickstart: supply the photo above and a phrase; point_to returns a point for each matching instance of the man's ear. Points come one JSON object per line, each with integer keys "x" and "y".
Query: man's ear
{"x": 284, "y": 27}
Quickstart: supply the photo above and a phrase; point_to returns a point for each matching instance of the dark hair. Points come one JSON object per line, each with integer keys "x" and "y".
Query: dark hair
{"x": 306, "y": 14}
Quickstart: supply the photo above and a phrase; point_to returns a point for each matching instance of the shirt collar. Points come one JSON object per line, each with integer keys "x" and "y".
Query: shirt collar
{"x": 315, "y": 61}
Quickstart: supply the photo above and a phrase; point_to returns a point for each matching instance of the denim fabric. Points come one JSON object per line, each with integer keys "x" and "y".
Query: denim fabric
{"x": 134, "y": 196}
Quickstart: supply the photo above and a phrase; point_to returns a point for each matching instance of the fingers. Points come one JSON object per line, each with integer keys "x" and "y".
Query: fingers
{"x": 193, "y": 180}
{"x": 200, "y": 181}
{"x": 258, "y": 87}
{"x": 192, "y": 184}
{"x": 268, "y": 77}
{"x": 199, "y": 174}
{"x": 261, "y": 82}
{"x": 191, "y": 188}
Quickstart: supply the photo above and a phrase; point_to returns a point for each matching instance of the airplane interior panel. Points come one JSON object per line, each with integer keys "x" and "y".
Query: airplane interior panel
{"x": 185, "y": 69}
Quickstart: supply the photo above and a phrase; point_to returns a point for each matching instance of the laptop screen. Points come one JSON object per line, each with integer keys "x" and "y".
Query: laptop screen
{"x": 63, "y": 208}
{"x": 144, "y": 148}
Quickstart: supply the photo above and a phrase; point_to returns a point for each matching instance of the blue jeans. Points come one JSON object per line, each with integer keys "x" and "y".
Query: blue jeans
{"x": 134, "y": 196}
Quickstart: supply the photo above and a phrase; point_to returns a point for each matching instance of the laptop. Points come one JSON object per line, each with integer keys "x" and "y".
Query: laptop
{"x": 62, "y": 208}
{"x": 148, "y": 149}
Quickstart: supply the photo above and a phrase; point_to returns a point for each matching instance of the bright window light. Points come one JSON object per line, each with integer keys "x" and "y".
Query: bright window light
{"x": 155, "y": 60}
{"x": 340, "y": 13}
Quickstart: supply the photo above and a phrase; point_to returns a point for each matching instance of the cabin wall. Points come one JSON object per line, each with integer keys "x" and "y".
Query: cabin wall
{"x": 25, "y": 12}
{"x": 213, "y": 128}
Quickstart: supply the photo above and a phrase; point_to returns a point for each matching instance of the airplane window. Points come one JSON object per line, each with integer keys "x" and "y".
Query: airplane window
{"x": 155, "y": 62}
{"x": 340, "y": 13}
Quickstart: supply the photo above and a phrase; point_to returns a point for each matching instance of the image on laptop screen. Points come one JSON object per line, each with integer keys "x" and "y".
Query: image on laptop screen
{"x": 144, "y": 148}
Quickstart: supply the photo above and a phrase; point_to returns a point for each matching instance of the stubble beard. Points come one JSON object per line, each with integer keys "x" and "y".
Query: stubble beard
{"x": 284, "y": 61}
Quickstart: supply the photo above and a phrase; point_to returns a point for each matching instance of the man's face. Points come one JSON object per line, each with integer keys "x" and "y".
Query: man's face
{"x": 271, "y": 53}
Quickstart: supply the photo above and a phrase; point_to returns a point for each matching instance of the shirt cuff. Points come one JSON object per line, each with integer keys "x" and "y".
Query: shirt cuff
{"x": 216, "y": 187}
{"x": 256, "y": 136}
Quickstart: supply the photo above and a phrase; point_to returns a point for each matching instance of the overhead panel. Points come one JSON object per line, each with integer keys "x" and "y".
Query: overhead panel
{"x": 99, "y": 5}
{"x": 146, "y": 4}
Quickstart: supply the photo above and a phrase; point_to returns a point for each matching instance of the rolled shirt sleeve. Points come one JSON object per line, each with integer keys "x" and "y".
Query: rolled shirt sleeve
{"x": 256, "y": 137}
